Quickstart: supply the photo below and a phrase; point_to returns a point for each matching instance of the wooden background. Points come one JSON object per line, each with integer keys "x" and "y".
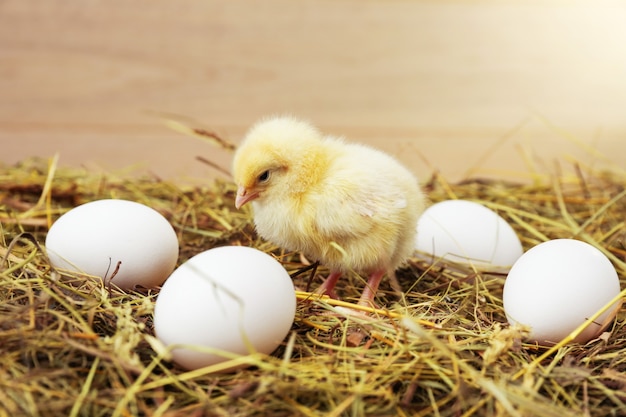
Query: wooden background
{"x": 465, "y": 87}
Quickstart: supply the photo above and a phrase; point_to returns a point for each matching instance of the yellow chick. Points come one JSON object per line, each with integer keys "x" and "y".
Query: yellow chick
{"x": 346, "y": 205}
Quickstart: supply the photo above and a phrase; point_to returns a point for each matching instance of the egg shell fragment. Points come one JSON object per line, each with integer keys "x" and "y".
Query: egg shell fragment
{"x": 234, "y": 299}
{"x": 467, "y": 232}
{"x": 93, "y": 237}
{"x": 555, "y": 286}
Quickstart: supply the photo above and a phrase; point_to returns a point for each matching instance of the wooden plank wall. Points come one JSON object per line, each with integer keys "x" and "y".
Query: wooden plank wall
{"x": 461, "y": 87}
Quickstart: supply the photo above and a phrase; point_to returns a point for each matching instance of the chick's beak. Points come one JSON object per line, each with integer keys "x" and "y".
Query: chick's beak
{"x": 244, "y": 195}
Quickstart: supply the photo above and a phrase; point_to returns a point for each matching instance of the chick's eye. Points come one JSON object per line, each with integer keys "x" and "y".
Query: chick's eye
{"x": 265, "y": 175}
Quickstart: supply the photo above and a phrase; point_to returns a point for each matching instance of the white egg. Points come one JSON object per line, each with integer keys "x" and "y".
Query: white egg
{"x": 555, "y": 286}
{"x": 92, "y": 238}
{"x": 467, "y": 232}
{"x": 234, "y": 299}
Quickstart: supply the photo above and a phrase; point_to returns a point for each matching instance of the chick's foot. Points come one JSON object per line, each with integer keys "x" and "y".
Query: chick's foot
{"x": 367, "y": 296}
{"x": 328, "y": 287}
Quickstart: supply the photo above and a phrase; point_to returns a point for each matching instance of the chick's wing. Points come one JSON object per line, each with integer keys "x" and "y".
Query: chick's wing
{"x": 354, "y": 207}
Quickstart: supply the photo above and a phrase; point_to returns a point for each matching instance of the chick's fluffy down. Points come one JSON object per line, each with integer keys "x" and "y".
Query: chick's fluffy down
{"x": 349, "y": 206}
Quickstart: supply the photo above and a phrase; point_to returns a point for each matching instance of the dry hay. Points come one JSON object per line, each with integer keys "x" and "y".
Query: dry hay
{"x": 71, "y": 347}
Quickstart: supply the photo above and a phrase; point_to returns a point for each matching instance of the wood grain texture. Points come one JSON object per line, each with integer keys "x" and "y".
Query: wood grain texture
{"x": 439, "y": 84}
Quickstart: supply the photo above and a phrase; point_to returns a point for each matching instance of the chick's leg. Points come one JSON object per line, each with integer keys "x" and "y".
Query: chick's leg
{"x": 328, "y": 287}
{"x": 367, "y": 297}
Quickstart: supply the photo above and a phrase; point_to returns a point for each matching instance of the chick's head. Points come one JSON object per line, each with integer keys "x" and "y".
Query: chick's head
{"x": 279, "y": 157}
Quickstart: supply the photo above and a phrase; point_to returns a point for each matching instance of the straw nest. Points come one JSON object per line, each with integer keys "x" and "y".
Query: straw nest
{"x": 71, "y": 347}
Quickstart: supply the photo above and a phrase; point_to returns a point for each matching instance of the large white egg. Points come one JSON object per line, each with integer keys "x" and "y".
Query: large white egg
{"x": 555, "y": 286}
{"x": 467, "y": 232}
{"x": 228, "y": 298}
{"x": 92, "y": 238}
